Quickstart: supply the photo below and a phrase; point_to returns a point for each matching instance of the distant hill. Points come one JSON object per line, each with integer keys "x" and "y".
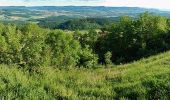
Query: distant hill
{"x": 23, "y": 13}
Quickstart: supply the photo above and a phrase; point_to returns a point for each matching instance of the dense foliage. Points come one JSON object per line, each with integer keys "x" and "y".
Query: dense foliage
{"x": 39, "y": 63}
{"x": 32, "y": 46}
{"x": 53, "y": 22}
{"x": 71, "y": 23}
{"x": 125, "y": 40}
{"x": 131, "y": 39}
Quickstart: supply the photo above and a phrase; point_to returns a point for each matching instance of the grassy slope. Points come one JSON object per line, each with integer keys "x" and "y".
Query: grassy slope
{"x": 144, "y": 79}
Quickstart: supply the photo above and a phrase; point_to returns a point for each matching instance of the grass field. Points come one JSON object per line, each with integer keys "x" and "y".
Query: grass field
{"x": 144, "y": 79}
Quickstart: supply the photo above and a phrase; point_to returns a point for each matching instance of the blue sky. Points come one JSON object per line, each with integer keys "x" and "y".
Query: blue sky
{"x": 161, "y": 4}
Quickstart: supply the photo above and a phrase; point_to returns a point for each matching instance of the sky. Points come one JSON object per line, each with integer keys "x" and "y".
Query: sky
{"x": 160, "y": 4}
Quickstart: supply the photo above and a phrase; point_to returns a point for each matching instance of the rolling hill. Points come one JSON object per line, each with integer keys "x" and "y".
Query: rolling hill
{"x": 144, "y": 79}
{"x": 22, "y": 13}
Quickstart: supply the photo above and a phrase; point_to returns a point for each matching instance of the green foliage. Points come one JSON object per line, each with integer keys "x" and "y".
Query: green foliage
{"x": 33, "y": 46}
{"x": 74, "y": 22}
{"x": 63, "y": 48}
{"x": 3, "y": 44}
{"x": 147, "y": 79}
{"x": 87, "y": 58}
{"x": 108, "y": 60}
{"x": 78, "y": 24}
{"x": 87, "y": 39}
{"x": 66, "y": 54}
{"x": 131, "y": 39}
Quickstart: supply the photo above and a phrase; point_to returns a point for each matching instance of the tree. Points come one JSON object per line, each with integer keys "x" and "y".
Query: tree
{"x": 108, "y": 56}
{"x": 64, "y": 49}
{"x": 130, "y": 39}
{"x": 87, "y": 58}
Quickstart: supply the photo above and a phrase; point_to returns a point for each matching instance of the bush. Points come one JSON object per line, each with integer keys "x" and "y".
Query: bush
{"x": 63, "y": 49}
{"x": 32, "y": 46}
{"x": 87, "y": 58}
{"x": 108, "y": 56}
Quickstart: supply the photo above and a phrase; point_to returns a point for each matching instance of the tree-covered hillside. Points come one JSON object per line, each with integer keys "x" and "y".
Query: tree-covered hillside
{"x": 95, "y": 63}
{"x": 68, "y": 23}
{"x": 119, "y": 42}
{"x": 22, "y": 13}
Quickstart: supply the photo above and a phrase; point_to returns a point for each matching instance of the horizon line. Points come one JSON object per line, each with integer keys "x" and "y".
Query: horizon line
{"x": 82, "y": 6}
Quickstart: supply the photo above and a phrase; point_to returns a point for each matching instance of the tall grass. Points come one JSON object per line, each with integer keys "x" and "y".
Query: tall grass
{"x": 144, "y": 79}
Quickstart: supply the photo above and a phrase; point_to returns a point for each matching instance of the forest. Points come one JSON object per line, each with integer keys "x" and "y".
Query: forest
{"x": 122, "y": 41}
{"x": 86, "y": 59}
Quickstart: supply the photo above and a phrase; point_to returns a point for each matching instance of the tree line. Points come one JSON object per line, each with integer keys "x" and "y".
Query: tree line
{"x": 125, "y": 40}
{"x": 131, "y": 39}
{"x": 69, "y": 23}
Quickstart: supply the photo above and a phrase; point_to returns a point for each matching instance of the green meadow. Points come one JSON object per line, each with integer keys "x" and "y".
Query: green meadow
{"x": 141, "y": 80}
